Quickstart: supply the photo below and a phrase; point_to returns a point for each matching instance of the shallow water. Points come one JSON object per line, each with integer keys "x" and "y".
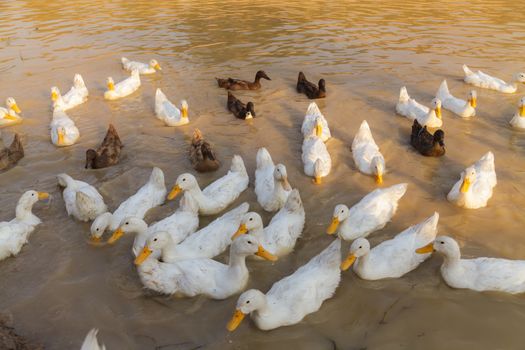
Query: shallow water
{"x": 59, "y": 286}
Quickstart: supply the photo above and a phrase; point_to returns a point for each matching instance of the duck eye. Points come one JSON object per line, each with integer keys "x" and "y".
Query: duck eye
{"x": 442, "y": 242}
{"x": 183, "y": 180}
{"x": 247, "y": 301}
{"x": 249, "y": 242}
{"x": 127, "y": 223}
{"x": 251, "y": 219}
{"x": 155, "y": 240}
{"x": 98, "y": 229}
{"x": 360, "y": 246}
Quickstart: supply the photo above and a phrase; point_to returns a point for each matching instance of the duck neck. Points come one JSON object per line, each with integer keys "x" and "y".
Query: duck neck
{"x": 197, "y": 194}
{"x": 237, "y": 264}
{"x": 24, "y": 213}
{"x": 451, "y": 261}
{"x": 141, "y": 230}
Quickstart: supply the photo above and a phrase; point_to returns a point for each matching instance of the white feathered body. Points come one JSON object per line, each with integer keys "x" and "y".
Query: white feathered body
{"x": 270, "y": 193}
{"x": 310, "y": 120}
{"x": 486, "y": 81}
{"x": 410, "y": 108}
{"x": 364, "y": 149}
{"x": 142, "y": 68}
{"x": 456, "y": 105}
{"x": 124, "y": 88}
{"x": 167, "y": 111}
{"x": 314, "y": 150}
{"x": 83, "y": 207}
{"x": 61, "y": 121}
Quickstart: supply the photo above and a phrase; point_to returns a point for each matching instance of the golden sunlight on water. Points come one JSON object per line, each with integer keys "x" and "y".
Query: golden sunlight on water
{"x": 59, "y": 286}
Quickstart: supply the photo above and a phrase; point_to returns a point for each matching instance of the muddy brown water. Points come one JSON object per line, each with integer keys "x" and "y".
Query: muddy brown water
{"x": 59, "y": 286}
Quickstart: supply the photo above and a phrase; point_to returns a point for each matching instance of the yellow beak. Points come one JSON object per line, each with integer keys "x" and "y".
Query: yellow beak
{"x": 379, "y": 179}
{"x": 43, "y": 195}
{"x": 10, "y": 117}
{"x": 465, "y": 185}
{"x": 438, "y": 112}
{"x": 235, "y": 321}
{"x": 349, "y": 261}
{"x": 60, "y": 137}
{"x": 317, "y": 180}
{"x": 333, "y": 226}
{"x": 111, "y": 86}
{"x": 522, "y": 111}
{"x": 116, "y": 236}
{"x": 54, "y": 96}
{"x": 184, "y": 112}
{"x": 95, "y": 239}
{"x": 143, "y": 255}
{"x": 242, "y": 229}
{"x": 265, "y": 254}
{"x": 286, "y": 184}
{"x": 174, "y": 192}
{"x": 318, "y": 130}
{"x": 157, "y": 67}
{"x": 429, "y": 248}
{"x": 15, "y": 108}
{"x": 473, "y": 102}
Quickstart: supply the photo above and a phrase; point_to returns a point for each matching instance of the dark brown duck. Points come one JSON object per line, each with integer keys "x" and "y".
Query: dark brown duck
{"x": 239, "y": 109}
{"x": 108, "y": 153}
{"x": 238, "y": 84}
{"x": 427, "y": 144}
{"x": 9, "y": 156}
{"x": 310, "y": 89}
{"x": 202, "y": 156}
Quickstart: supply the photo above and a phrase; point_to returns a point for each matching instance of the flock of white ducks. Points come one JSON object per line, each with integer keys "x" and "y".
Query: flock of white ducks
{"x": 174, "y": 257}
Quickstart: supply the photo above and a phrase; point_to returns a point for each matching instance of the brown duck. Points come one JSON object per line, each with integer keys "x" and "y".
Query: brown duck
{"x": 238, "y": 84}
{"x": 427, "y": 144}
{"x": 239, "y": 109}
{"x": 310, "y": 89}
{"x": 108, "y": 153}
{"x": 9, "y": 156}
{"x": 202, "y": 156}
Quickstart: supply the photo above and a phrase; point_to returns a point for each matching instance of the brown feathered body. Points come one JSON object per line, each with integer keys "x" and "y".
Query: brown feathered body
{"x": 202, "y": 157}
{"x": 9, "y": 156}
{"x": 108, "y": 153}
{"x": 239, "y": 109}
{"x": 427, "y": 144}
{"x": 310, "y": 89}
{"x": 239, "y": 84}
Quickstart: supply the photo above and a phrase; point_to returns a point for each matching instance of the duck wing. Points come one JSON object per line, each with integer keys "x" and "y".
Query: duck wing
{"x": 16, "y": 150}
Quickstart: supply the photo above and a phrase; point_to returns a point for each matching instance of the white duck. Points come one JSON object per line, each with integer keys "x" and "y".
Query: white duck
{"x": 82, "y": 200}
{"x": 464, "y": 109}
{"x": 479, "y": 274}
{"x": 217, "y": 195}
{"x": 148, "y": 196}
{"x": 8, "y": 115}
{"x": 271, "y": 182}
{"x": 63, "y": 130}
{"x": 309, "y": 122}
{"x": 392, "y": 258}
{"x": 280, "y": 235}
{"x": 486, "y": 81}
{"x": 204, "y": 276}
{"x": 91, "y": 342}
{"x": 474, "y": 188}
{"x": 366, "y": 153}
{"x": 295, "y": 296}
{"x": 208, "y": 242}
{"x": 518, "y": 120}
{"x": 370, "y": 214}
{"x": 316, "y": 159}
{"x": 143, "y": 68}
{"x": 15, "y": 233}
{"x": 168, "y": 113}
{"x": 410, "y": 108}
{"x": 178, "y": 226}
{"x": 77, "y": 95}
{"x": 124, "y": 88}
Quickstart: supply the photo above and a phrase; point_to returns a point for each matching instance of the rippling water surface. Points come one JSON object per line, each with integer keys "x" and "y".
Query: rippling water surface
{"x": 59, "y": 286}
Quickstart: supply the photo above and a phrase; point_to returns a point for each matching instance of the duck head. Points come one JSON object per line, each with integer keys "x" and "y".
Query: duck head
{"x": 436, "y": 107}
{"x": 156, "y": 242}
{"x": 250, "y": 245}
{"x": 359, "y": 248}
{"x": 261, "y": 74}
{"x": 184, "y": 182}
{"x": 378, "y": 168}
{"x": 280, "y": 175}
{"x": 11, "y": 104}
{"x": 341, "y": 213}
{"x": 444, "y": 245}
{"x": 439, "y": 138}
{"x": 31, "y": 197}
{"x": 55, "y": 94}
{"x": 521, "y": 107}
{"x": 248, "y": 302}
{"x": 250, "y": 221}
{"x": 184, "y": 109}
{"x": 469, "y": 176}
{"x": 110, "y": 84}
{"x": 154, "y": 64}
{"x": 322, "y": 85}
{"x": 99, "y": 226}
{"x": 520, "y": 78}
{"x": 250, "y": 110}
{"x": 91, "y": 155}
{"x": 472, "y": 98}
{"x": 128, "y": 225}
